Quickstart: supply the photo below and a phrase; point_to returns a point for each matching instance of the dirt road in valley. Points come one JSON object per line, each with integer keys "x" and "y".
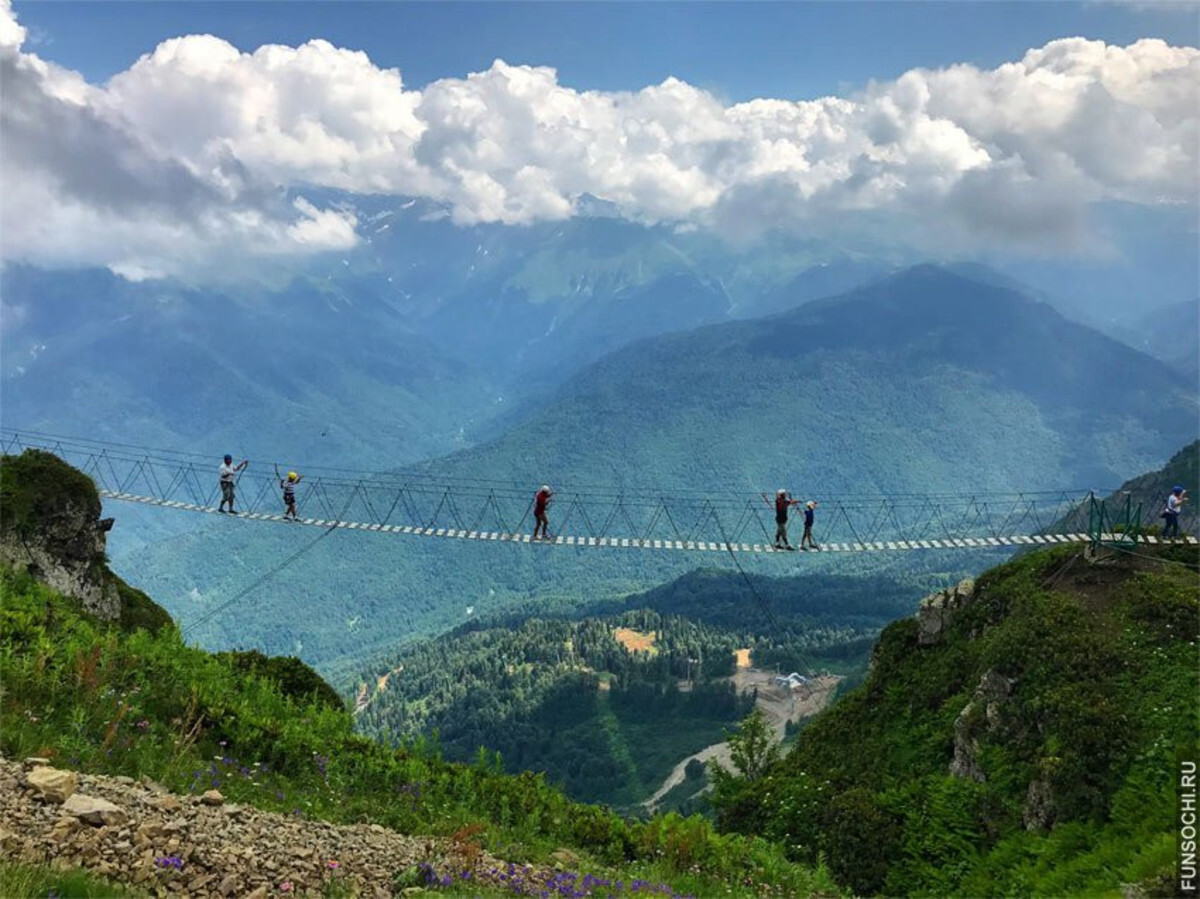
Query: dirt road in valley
{"x": 779, "y": 704}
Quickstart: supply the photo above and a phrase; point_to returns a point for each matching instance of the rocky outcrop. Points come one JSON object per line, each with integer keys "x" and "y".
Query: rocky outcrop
{"x": 937, "y": 610}
{"x": 1040, "y": 809}
{"x": 51, "y": 528}
{"x": 982, "y": 716}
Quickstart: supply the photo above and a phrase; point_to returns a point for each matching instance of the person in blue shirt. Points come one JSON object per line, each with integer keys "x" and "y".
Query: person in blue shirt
{"x": 1175, "y": 502}
{"x": 807, "y": 540}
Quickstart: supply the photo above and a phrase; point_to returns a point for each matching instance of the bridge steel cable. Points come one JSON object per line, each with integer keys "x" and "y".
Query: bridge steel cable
{"x": 427, "y": 504}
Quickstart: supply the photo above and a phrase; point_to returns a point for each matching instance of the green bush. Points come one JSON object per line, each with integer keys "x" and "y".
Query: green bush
{"x": 35, "y": 487}
{"x": 1101, "y": 662}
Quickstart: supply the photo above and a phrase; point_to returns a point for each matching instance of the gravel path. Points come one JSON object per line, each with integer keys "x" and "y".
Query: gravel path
{"x": 179, "y": 845}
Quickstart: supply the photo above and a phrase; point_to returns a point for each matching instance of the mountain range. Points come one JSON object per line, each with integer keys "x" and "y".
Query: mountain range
{"x": 923, "y": 381}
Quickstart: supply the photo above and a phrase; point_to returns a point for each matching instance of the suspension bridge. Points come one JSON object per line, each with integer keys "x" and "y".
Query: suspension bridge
{"x": 415, "y": 503}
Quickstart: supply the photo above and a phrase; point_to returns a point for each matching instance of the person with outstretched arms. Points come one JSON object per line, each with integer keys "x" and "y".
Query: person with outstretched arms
{"x": 228, "y": 472}
{"x": 288, "y": 485}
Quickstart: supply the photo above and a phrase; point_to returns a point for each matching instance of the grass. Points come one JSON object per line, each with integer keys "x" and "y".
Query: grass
{"x": 96, "y": 699}
{"x": 19, "y": 880}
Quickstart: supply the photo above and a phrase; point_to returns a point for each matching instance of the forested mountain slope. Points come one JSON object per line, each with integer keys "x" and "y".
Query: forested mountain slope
{"x": 1023, "y": 744}
{"x": 921, "y": 382}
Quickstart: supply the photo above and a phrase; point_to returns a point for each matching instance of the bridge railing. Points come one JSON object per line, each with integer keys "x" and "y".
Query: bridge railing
{"x": 422, "y": 500}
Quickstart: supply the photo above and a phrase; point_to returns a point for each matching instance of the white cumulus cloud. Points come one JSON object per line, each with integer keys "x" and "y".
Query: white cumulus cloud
{"x": 198, "y": 151}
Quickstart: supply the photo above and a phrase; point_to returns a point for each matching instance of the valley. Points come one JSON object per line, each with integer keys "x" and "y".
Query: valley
{"x": 781, "y": 705}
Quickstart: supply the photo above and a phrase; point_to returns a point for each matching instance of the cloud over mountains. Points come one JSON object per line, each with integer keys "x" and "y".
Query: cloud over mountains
{"x": 200, "y": 152}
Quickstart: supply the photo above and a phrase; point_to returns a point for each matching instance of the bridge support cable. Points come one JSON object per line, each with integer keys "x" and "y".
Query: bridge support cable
{"x": 434, "y": 506}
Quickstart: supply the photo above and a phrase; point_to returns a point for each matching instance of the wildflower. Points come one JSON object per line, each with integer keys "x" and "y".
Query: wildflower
{"x": 285, "y": 887}
{"x": 332, "y": 863}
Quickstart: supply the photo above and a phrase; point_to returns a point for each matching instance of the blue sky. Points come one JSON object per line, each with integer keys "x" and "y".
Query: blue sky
{"x": 737, "y": 51}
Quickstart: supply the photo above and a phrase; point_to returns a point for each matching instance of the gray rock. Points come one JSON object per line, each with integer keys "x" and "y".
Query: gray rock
{"x": 982, "y": 716}
{"x": 212, "y": 797}
{"x": 1040, "y": 808}
{"x": 94, "y": 810}
{"x": 67, "y": 554}
{"x": 937, "y": 610}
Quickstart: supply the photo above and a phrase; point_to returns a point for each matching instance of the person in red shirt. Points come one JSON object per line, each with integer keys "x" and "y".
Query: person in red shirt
{"x": 541, "y": 523}
{"x": 783, "y": 504}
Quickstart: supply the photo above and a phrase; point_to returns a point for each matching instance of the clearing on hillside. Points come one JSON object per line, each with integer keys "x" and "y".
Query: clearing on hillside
{"x": 636, "y": 641}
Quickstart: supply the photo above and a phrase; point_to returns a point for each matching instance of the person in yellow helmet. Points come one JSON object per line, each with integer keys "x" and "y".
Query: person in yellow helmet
{"x": 289, "y": 493}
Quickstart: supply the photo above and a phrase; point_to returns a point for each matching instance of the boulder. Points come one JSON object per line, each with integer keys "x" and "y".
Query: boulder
{"x": 212, "y": 797}
{"x": 53, "y": 784}
{"x": 565, "y": 858}
{"x": 94, "y": 810}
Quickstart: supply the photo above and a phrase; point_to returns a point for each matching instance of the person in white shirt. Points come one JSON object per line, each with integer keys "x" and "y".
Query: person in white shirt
{"x": 1175, "y": 503}
{"x": 228, "y": 472}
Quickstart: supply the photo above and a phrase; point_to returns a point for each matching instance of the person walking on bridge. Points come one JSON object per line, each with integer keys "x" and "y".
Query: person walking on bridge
{"x": 289, "y": 493}
{"x": 783, "y": 505}
{"x": 807, "y": 540}
{"x": 229, "y": 472}
{"x": 541, "y": 523}
{"x": 1175, "y": 502}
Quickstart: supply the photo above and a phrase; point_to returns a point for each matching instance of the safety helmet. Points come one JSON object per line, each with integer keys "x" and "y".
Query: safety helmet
{"x": 292, "y": 476}
{"x": 811, "y": 504}
{"x": 228, "y": 458}
{"x": 1177, "y": 489}
{"x": 545, "y": 488}
{"x": 781, "y": 492}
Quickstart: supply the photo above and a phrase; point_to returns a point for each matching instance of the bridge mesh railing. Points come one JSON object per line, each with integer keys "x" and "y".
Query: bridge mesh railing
{"x": 422, "y": 500}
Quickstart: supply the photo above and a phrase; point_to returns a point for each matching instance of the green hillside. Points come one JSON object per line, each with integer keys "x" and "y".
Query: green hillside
{"x": 554, "y": 690}
{"x": 111, "y": 697}
{"x": 604, "y": 719}
{"x": 922, "y": 382}
{"x": 1028, "y": 751}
